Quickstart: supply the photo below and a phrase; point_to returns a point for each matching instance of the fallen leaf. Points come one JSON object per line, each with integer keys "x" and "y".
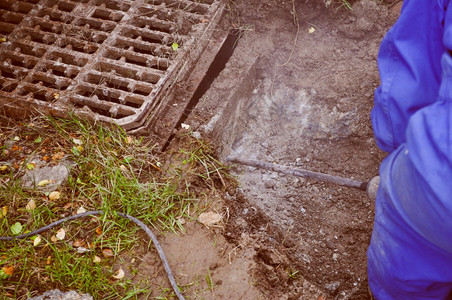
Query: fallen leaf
{"x": 30, "y": 205}
{"x": 185, "y": 126}
{"x": 45, "y": 157}
{"x": 58, "y": 156}
{"x": 38, "y": 140}
{"x": 81, "y": 210}
{"x": 209, "y": 218}
{"x": 55, "y": 195}
{"x": 49, "y": 260}
{"x": 96, "y": 259}
{"x": 99, "y": 230}
{"x": 77, "y": 141}
{"x": 14, "y": 148}
{"x": 67, "y": 205}
{"x": 54, "y": 239}
{"x": 119, "y": 274}
{"x": 4, "y": 210}
{"x": 16, "y": 228}
{"x": 311, "y": 29}
{"x": 175, "y": 46}
{"x": 3, "y": 168}
{"x": 56, "y": 96}
{"x": 61, "y": 234}
{"x": 107, "y": 252}
{"x": 10, "y": 270}
{"x": 2, "y": 39}
{"x": 123, "y": 168}
{"x": 31, "y": 166}
{"x": 129, "y": 139}
{"x": 79, "y": 243}
{"x": 37, "y": 240}
{"x": 16, "y": 138}
{"x": 44, "y": 182}
{"x": 82, "y": 250}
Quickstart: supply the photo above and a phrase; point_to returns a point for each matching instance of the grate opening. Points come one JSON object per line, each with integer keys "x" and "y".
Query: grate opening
{"x": 12, "y": 18}
{"x": 127, "y": 72}
{"x": 113, "y": 5}
{"x": 116, "y": 83}
{"x": 54, "y": 16}
{"x": 78, "y": 45}
{"x": 20, "y": 61}
{"x": 16, "y": 6}
{"x": 8, "y": 86}
{"x": 5, "y": 28}
{"x": 68, "y": 59}
{"x": 61, "y": 5}
{"x": 110, "y": 96}
{"x": 28, "y": 49}
{"x": 152, "y": 24}
{"x": 32, "y": 1}
{"x": 114, "y": 112}
{"x": 107, "y": 15}
{"x": 38, "y": 37}
{"x": 95, "y": 24}
{"x": 50, "y": 81}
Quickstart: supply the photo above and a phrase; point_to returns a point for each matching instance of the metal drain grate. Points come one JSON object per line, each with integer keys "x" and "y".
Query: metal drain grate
{"x": 111, "y": 60}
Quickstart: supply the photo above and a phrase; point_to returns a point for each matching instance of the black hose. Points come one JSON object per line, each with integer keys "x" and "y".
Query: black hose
{"x": 99, "y": 212}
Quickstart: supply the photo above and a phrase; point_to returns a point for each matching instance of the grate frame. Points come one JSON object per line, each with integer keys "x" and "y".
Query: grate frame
{"x": 108, "y": 60}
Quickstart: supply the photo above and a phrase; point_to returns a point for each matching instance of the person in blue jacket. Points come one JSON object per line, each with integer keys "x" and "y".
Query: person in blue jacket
{"x": 410, "y": 254}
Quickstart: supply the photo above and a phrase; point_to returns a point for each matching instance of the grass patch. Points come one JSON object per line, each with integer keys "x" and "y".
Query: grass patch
{"x": 109, "y": 171}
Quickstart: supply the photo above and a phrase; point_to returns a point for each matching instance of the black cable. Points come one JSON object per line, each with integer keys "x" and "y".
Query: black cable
{"x": 99, "y": 212}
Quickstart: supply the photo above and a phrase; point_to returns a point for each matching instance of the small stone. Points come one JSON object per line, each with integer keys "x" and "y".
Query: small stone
{"x": 332, "y": 287}
{"x": 335, "y": 257}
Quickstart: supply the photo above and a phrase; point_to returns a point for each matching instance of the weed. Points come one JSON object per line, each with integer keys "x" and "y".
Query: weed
{"x": 109, "y": 170}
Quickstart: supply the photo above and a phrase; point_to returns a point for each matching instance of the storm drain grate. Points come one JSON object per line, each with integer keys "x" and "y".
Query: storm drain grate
{"x": 112, "y": 60}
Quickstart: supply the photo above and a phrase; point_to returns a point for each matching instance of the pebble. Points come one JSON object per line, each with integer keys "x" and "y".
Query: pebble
{"x": 332, "y": 286}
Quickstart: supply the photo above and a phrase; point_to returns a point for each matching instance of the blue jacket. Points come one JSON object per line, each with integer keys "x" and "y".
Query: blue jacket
{"x": 410, "y": 255}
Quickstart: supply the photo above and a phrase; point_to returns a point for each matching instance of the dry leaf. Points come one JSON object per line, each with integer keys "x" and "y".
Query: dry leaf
{"x": 44, "y": 182}
{"x": 123, "y": 168}
{"x": 57, "y": 156}
{"x": 30, "y": 205}
{"x": 61, "y": 234}
{"x": 49, "y": 260}
{"x": 185, "y": 126}
{"x": 81, "y": 210}
{"x": 55, "y": 195}
{"x": 311, "y": 29}
{"x": 79, "y": 243}
{"x": 82, "y": 250}
{"x": 10, "y": 270}
{"x": 107, "y": 252}
{"x": 16, "y": 138}
{"x": 37, "y": 240}
{"x": 77, "y": 141}
{"x": 96, "y": 259}
{"x": 4, "y": 210}
{"x": 209, "y": 218}
{"x": 99, "y": 230}
{"x": 119, "y": 275}
{"x": 45, "y": 158}
{"x": 54, "y": 239}
{"x": 3, "y": 168}
{"x": 31, "y": 166}
{"x": 129, "y": 140}
{"x": 56, "y": 96}
{"x": 67, "y": 205}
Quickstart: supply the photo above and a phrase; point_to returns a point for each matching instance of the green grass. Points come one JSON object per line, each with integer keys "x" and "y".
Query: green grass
{"x": 111, "y": 172}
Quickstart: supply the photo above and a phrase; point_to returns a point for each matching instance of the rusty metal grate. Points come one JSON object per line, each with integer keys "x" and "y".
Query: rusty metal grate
{"x": 111, "y": 60}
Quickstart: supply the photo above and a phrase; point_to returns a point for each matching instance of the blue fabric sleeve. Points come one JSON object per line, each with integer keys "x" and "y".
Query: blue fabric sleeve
{"x": 410, "y": 255}
{"x": 409, "y": 57}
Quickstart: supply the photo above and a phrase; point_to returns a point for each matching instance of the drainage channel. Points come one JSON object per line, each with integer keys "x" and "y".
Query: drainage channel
{"x": 113, "y": 61}
{"x": 218, "y": 64}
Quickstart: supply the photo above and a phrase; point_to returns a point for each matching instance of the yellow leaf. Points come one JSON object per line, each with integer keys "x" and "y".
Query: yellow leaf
{"x": 3, "y": 168}
{"x": 56, "y": 96}
{"x": 311, "y": 30}
{"x": 31, "y": 166}
{"x": 55, "y": 195}
{"x": 129, "y": 140}
{"x": 10, "y": 270}
{"x": 79, "y": 243}
{"x": 54, "y": 238}
{"x": 2, "y": 39}
{"x": 44, "y": 182}
{"x": 61, "y": 234}
{"x": 4, "y": 210}
{"x": 16, "y": 138}
{"x": 119, "y": 274}
{"x": 96, "y": 259}
{"x": 37, "y": 240}
{"x": 30, "y": 205}
{"x": 99, "y": 230}
{"x": 123, "y": 168}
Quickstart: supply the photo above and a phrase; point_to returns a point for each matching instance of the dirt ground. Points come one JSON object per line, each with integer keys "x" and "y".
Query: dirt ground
{"x": 298, "y": 91}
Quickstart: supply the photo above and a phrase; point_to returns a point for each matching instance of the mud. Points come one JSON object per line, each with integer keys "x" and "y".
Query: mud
{"x": 298, "y": 91}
